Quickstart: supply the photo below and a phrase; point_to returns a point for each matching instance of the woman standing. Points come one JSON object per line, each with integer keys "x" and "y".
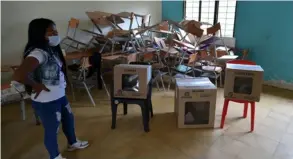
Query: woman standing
{"x": 43, "y": 72}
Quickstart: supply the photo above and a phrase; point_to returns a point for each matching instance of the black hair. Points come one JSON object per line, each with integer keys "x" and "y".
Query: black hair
{"x": 36, "y": 39}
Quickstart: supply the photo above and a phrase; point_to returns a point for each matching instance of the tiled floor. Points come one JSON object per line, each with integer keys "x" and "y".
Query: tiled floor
{"x": 272, "y": 138}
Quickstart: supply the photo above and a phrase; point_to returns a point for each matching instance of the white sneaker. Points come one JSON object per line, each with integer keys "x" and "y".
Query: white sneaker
{"x": 78, "y": 145}
{"x": 59, "y": 157}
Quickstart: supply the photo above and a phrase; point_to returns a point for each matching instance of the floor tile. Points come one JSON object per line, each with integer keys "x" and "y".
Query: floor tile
{"x": 260, "y": 142}
{"x": 271, "y": 138}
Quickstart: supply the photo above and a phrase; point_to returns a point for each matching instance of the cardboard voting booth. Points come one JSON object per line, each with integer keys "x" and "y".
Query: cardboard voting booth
{"x": 243, "y": 82}
{"x": 131, "y": 81}
{"x": 195, "y": 103}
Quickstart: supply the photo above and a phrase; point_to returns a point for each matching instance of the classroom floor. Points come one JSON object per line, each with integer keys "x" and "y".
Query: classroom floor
{"x": 272, "y": 138}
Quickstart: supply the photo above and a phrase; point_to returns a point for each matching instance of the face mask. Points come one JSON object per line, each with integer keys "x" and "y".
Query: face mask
{"x": 54, "y": 40}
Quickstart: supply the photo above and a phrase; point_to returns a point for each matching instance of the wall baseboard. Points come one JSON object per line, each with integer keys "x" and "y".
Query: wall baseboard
{"x": 279, "y": 84}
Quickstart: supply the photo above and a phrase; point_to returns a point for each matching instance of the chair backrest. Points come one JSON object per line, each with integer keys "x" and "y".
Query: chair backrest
{"x": 191, "y": 22}
{"x": 85, "y": 63}
{"x": 214, "y": 29}
{"x": 219, "y": 53}
{"x": 145, "y": 21}
{"x": 193, "y": 29}
{"x": 164, "y": 26}
{"x": 203, "y": 54}
{"x": 244, "y": 53}
{"x": 149, "y": 56}
{"x": 73, "y": 23}
{"x": 243, "y": 62}
{"x": 72, "y": 26}
{"x": 192, "y": 58}
{"x": 160, "y": 42}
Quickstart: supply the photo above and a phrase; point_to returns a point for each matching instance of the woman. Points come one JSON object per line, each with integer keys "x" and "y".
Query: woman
{"x": 43, "y": 71}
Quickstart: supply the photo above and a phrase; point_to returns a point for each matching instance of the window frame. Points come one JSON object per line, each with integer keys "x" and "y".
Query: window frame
{"x": 216, "y": 13}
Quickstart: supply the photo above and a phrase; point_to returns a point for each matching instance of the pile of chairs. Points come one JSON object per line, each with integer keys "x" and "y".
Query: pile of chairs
{"x": 184, "y": 50}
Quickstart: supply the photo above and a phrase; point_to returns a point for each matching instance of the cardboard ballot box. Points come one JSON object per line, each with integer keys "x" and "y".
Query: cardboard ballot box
{"x": 195, "y": 103}
{"x": 243, "y": 82}
{"x": 131, "y": 81}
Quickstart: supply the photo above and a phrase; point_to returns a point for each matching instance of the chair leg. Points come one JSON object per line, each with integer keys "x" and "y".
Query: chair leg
{"x": 89, "y": 94}
{"x": 216, "y": 79}
{"x": 145, "y": 115}
{"x": 114, "y": 113}
{"x": 245, "y": 110}
{"x": 162, "y": 82}
{"x": 151, "y": 108}
{"x": 252, "y": 116}
{"x": 107, "y": 91}
{"x": 102, "y": 49}
{"x": 22, "y": 108}
{"x": 157, "y": 84}
{"x": 72, "y": 91}
{"x": 221, "y": 82}
{"x": 169, "y": 84}
{"x": 124, "y": 108}
{"x": 224, "y": 112}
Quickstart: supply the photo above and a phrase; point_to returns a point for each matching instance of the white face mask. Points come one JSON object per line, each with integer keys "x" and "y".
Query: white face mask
{"x": 54, "y": 40}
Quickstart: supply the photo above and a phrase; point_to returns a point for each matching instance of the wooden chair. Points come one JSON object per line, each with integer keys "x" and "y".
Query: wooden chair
{"x": 214, "y": 33}
{"x": 71, "y": 41}
{"x": 19, "y": 88}
{"x": 79, "y": 77}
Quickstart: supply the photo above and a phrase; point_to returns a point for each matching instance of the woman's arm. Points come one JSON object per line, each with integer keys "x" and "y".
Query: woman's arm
{"x": 28, "y": 66}
{"x": 22, "y": 74}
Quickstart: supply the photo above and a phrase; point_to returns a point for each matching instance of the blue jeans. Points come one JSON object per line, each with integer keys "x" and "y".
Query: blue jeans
{"x": 51, "y": 114}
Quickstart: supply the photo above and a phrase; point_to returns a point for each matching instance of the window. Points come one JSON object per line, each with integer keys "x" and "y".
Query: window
{"x": 212, "y": 11}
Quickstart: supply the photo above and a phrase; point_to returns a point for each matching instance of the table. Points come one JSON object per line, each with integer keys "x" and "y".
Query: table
{"x": 162, "y": 32}
{"x": 76, "y": 55}
{"x": 224, "y": 59}
{"x": 227, "y": 57}
{"x": 183, "y": 44}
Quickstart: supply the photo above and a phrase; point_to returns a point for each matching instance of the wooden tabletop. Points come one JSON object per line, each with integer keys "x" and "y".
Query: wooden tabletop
{"x": 228, "y": 57}
{"x": 183, "y": 44}
{"x": 102, "y": 18}
{"x": 161, "y": 31}
{"x": 78, "y": 55}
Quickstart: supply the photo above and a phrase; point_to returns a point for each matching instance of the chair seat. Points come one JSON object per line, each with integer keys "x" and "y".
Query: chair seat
{"x": 212, "y": 68}
{"x": 183, "y": 68}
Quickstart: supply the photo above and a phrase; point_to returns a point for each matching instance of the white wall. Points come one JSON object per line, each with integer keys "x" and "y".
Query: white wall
{"x": 15, "y": 17}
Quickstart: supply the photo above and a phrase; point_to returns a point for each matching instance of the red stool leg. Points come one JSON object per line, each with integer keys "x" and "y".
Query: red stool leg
{"x": 224, "y": 112}
{"x": 245, "y": 110}
{"x": 252, "y": 116}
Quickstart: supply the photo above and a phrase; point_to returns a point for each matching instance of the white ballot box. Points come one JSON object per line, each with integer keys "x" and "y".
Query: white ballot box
{"x": 195, "y": 103}
{"x": 131, "y": 81}
{"x": 243, "y": 82}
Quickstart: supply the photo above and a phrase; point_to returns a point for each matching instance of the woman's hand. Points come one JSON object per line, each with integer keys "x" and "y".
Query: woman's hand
{"x": 38, "y": 88}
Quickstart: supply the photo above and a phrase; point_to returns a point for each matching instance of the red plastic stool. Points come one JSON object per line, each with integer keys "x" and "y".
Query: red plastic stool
{"x": 226, "y": 102}
{"x": 225, "y": 109}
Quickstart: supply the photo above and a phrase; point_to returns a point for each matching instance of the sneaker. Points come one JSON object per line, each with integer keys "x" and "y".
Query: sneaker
{"x": 59, "y": 157}
{"x": 78, "y": 145}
